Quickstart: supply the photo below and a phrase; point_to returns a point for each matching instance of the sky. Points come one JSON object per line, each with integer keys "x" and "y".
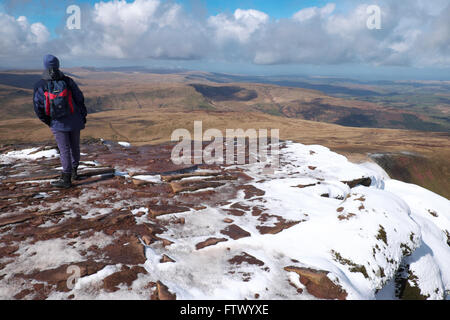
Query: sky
{"x": 264, "y": 37}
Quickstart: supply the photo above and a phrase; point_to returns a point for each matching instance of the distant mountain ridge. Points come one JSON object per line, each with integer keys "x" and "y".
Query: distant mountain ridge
{"x": 415, "y": 106}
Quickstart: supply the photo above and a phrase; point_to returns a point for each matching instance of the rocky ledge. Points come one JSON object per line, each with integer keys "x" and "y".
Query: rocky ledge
{"x": 136, "y": 226}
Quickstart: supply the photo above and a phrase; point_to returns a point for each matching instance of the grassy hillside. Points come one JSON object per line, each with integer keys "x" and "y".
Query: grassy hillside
{"x": 145, "y": 108}
{"x": 190, "y": 91}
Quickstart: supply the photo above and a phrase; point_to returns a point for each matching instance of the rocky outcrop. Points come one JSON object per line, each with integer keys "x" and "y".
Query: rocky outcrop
{"x": 110, "y": 227}
{"x": 209, "y": 242}
{"x": 366, "y": 182}
{"x": 246, "y": 258}
{"x": 163, "y": 292}
{"x": 251, "y": 191}
{"x": 318, "y": 284}
{"x": 235, "y": 232}
{"x": 195, "y": 185}
{"x": 59, "y": 277}
{"x": 278, "y": 226}
{"x": 125, "y": 276}
{"x": 159, "y": 210}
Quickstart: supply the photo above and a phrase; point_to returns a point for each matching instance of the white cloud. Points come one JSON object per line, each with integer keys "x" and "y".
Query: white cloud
{"x": 323, "y": 36}
{"x": 139, "y": 29}
{"x": 416, "y": 34}
{"x": 19, "y": 38}
{"x": 309, "y": 13}
{"x": 328, "y": 9}
{"x": 433, "y": 47}
{"x": 240, "y": 26}
{"x": 39, "y": 32}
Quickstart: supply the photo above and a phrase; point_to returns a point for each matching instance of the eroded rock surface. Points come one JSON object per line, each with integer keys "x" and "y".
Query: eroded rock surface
{"x": 138, "y": 226}
{"x": 103, "y": 226}
{"x": 318, "y": 284}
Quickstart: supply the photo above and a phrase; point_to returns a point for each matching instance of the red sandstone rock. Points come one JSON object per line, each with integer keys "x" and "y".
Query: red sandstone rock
{"x": 251, "y": 191}
{"x": 209, "y": 242}
{"x": 235, "y": 232}
{"x": 147, "y": 240}
{"x": 318, "y": 284}
{"x": 279, "y": 226}
{"x": 164, "y": 293}
{"x": 247, "y": 258}
{"x": 159, "y": 210}
{"x": 234, "y": 212}
{"x": 166, "y": 259}
{"x": 125, "y": 276}
{"x": 194, "y": 185}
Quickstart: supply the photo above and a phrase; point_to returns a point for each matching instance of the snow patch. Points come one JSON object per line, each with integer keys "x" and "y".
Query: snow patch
{"x": 28, "y": 154}
{"x": 125, "y": 144}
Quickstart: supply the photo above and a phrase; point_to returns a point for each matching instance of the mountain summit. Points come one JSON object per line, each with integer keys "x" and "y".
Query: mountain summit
{"x": 139, "y": 227}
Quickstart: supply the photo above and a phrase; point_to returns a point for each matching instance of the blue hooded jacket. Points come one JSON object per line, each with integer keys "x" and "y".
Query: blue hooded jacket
{"x": 72, "y": 122}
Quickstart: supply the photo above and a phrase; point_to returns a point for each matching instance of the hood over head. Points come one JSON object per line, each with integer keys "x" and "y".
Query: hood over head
{"x": 52, "y": 74}
{"x": 51, "y": 65}
{"x": 50, "y": 61}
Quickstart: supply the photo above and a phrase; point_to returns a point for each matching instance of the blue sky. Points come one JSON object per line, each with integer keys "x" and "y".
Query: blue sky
{"x": 266, "y": 37}
{"x": 52, "y": 15}
{"x": 276, "y": 9}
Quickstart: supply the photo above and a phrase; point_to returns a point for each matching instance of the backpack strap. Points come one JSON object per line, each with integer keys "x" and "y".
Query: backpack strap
{"x": 70, "y": 101}
{"x": 69, "y": 89}
{"x": 47, "y": 99}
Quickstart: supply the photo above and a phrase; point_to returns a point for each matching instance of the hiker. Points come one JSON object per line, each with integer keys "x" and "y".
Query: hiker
{"x": 59, "y": 103}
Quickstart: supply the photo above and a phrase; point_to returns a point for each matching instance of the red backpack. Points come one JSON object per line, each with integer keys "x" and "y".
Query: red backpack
{"x": 58, "y": 99}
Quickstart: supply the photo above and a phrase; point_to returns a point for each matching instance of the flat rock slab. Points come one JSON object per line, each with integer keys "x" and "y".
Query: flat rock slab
{"x": 126, "y": 276}
{"x": 318, "y": 284}
{"x": 278, "y": 226}
{"x": 190, "y": 185}
{"x": 251, "y": 191}
{"x": 163, "y": 293}
{"x": 173, "y": 177}
{"x": 246, "y": 258}
{"x": 159, "y": 210}
{"x": 235, "y": 232}
{"x": 209, "y": 242}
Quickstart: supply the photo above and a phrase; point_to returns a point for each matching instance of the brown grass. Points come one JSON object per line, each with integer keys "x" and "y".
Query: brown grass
{"x": 143, "y": 127}
{"x": 167, "y": 102}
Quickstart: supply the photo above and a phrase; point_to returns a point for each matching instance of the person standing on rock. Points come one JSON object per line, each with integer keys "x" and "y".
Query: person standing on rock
{"x": 59, "y": 103}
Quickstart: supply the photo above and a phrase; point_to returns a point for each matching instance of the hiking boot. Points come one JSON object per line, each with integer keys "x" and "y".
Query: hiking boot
{"x": 64, "y": 182}
{"x": 75, "y": 175}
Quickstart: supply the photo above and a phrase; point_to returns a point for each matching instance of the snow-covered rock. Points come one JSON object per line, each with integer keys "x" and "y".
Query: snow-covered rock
{"x": 318, "y": 226}
{"x": 28, "y": 154}
{"x": 362, "y": 236}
